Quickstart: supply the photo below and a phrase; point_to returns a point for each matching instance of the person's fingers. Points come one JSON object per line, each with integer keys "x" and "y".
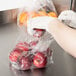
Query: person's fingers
{"x": 35, "y": 23}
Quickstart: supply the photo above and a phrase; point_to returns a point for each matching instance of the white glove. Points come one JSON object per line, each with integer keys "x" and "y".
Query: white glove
{"x": 38, "y": 22}
{"x": 69, "y": 17}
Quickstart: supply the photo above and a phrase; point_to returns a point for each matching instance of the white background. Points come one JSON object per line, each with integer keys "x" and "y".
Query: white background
{"x": 11, "y": 4}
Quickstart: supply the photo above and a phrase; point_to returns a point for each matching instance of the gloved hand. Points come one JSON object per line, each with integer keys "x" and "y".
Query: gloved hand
{"x": 69, "y": 18}
{"x": 39, "y": 22}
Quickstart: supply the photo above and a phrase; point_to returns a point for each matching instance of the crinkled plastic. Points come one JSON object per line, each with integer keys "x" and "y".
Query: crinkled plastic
{"x": 34, "y": 8}
{"x": 33, "y": 51}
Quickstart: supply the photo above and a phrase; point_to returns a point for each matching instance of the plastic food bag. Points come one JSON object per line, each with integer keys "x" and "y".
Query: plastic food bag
{"x": 33, "y": 51}
{"x": 34, "y": 8}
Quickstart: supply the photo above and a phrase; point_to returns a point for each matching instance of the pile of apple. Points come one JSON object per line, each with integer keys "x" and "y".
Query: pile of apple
{"x": 23, "y": 58}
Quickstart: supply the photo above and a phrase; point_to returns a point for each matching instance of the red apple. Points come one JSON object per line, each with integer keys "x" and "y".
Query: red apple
{"x": 23, "y": 46}
{"x": 38, "y": 32}
{"x": 32, "y": 44}
{"x": 14, "y": 55}
{"x": 40, "y": 60}
{"x": 25, "y": 62}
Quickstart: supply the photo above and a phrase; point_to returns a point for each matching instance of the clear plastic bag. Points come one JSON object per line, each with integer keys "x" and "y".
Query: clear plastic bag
{"x": 33, "y": 51}
{"x": 33, "y": 9}
{"x": 29, "y": 53}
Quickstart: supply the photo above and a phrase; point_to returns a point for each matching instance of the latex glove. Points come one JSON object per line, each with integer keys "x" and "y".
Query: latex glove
{"x": 69, "y": 17}
{"x": 39, "y": 22}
